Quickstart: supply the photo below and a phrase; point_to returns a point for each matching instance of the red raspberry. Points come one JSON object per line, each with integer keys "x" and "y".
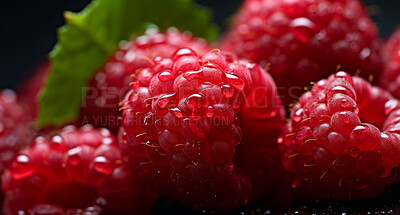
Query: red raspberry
{"x": 30, "y": 89}
{"x": 305, "y": 41}
{"x": 184, "y": 120}
{"x": 16, "y": 127}
{"x": 391, "y": 65}
{"x": 111, "y": 82}
{"x": 77, "y": 171}
{"x": 343, "y": 139}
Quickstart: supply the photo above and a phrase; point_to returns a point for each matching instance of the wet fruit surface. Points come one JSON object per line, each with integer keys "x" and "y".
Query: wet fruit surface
{"x": 187, "y": 130}
{"x": 338, "y": 148}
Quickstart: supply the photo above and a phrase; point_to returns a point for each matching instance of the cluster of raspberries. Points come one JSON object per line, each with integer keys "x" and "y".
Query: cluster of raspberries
{"x": 169, "y": 116}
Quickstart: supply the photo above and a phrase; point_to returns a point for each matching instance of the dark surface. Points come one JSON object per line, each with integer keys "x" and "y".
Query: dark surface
{"x": 28, "y": 29}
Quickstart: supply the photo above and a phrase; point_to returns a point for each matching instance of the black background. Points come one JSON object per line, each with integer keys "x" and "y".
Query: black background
{"x": 28, "y": 29}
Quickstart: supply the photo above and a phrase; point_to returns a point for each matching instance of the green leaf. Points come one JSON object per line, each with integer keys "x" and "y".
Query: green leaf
{"x": 93, "y": 34}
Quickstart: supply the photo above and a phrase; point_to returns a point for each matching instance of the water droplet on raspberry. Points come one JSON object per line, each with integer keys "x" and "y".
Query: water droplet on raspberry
{"x": 213, "y": 74}
{"x": 214, "y": 59}
{"x": 391, "y": 105}
{"x": 56, "y": 143}
{"x": 319, "y": 115}
{"x": 345, "y": 103}
{"x": 162, "y": 64}
{"x": 103, "y": 165}
{"x": 183, "y": 52}
{"x": 164, "y": 100}
{"x": 272, "y": 114}
{"x": 296, "y": 183}
{"x": 210, "y": 112}
{"x": 344, "y": 75}
{"x": 190, "y": 75}
{"x": 107, "y": 141}
{"x": 184, "y": 87}
{"x": 176, "y": 112}
{"x": 235, "y": 81}
{"x": 196, "y": 102}
{"x": 303, "y": 29}
{"x": 343, "y": 122}
{"x": 365, "y": 137}
{"x": 165, "y": 76}
{"x": 22, "y": 167}
{"x": 298, "y": 115}
{"x": 74, "y": 156}
{"x": 340, "y": 102}
{"x": 227, "y": 90}
{"x": 354, "y": 152}
{"x": 340, "y": 86}
{"x": 186, "y": 63}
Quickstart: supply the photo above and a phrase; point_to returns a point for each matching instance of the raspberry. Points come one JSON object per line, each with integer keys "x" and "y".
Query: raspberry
{"x": 391, "y": 65}
{"x": 111, "y": 82}
{"x": 203, "y": 125}
{"x": 303, "y": 41}
{"x": 29, "y": 90}
{"x": 16, "y": 127}
{"x": 77, "y": 171}
{"x": 342, "y": 140}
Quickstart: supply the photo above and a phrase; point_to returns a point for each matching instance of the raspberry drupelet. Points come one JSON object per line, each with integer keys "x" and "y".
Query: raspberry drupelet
{"x": 342, "y": 140}
{"x": 204, "y": 126}
{"x": 111, "y": 82}
{"x": 305, "y": 40}
{"x": 76, "y": 171}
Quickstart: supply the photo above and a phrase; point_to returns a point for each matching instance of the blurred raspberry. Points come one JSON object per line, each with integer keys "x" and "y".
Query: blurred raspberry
{"x": 305, "y": 40}
{"x": 76, "y": 171}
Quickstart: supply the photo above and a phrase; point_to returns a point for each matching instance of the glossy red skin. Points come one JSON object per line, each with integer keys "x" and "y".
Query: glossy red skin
{"x": 201, "y": 164}
{"x": 303, "y": 41}
{"x": 342, "y": 140}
